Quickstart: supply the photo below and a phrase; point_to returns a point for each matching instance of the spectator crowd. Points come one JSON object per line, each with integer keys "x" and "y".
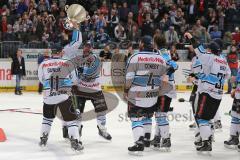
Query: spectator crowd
{"x": 122, "y": 20}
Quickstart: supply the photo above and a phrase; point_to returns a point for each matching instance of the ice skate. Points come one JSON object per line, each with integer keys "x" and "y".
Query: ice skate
{"x": 102, "y": 131}
{"x": 206, "y": 146}
{"x": 76, "y": 145}
{"x": 232, "y": 143}
{"x": 156, "y": 142}
{"x": 138, "y": 148}
{"x": 165, "y": 145}
{"x": 43, "y": 140}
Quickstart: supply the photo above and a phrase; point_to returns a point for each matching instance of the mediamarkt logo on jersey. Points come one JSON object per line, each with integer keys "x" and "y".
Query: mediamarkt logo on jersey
{"x": 220, "y": 61}
{"x": 56, "y": 64}
{"x": 151, "y": 59}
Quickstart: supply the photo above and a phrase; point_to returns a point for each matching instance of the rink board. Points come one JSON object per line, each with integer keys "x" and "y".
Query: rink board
{"x": 112, "y": 77}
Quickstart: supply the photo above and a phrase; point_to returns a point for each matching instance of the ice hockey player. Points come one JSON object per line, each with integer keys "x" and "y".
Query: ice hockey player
{"x": 71, "y": 52}
{"x": 194, "y": 78}
{"x": 233, "y": 142}
{"x": 144, "y": 71}
{"x": 215, "y": 123}
{"x": 162, "y": 135}
{"x": 210, "y": 88}
{"x": 89, "y": 88}
{"x": 58, "y": 76}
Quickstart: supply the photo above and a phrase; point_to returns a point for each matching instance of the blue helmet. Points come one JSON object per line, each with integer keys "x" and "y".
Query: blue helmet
{"x": 147, "y": 41}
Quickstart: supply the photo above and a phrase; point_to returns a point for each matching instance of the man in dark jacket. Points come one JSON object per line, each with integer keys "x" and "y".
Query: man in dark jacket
{"x": 18, "y": 69}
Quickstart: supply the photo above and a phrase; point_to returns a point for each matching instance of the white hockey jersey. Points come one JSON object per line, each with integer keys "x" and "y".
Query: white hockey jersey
{"x": 214, "y": 73}
{"x": 144, "y": 71}
{"x": 71, "y": 50}
{"x": 89, "y": 74}
{"x": 57, "y": 76}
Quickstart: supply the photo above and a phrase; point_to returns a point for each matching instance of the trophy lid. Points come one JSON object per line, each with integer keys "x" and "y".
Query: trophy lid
{"x": 76, "y": 12}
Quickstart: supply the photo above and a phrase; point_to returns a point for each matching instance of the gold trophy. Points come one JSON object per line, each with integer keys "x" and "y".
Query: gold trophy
{"x": 75, "y": 14}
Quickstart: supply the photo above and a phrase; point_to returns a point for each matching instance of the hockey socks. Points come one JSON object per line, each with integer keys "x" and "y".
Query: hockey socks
{"x": 235, "y": 124}
{"x": 46, "y": 126}
{"x": 73, "y": 130}
{"x": 73, "y": 133}
{"x": 163, "y": 124}
{"x": 45, "y": 130}
{"x": 137, "y": 128}
{"x": 101, "y": 120}
{"x": 205, "y": 129}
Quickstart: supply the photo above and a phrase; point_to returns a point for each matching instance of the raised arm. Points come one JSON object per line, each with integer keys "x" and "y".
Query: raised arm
{"x": 200, "y": 51}
{"x": 76, "y": 38}
{"x": 71, "y": 49}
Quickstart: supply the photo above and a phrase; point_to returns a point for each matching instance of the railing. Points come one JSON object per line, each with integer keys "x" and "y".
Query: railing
{"x": 9, "y": 48}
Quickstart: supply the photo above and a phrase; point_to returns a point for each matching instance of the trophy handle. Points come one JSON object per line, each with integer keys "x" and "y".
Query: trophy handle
{"x": 66, "y": 7}
{"x": 88, "y": 17}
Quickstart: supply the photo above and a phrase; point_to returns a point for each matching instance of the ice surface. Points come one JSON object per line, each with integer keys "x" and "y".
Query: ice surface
{"x": 22, "y": 130}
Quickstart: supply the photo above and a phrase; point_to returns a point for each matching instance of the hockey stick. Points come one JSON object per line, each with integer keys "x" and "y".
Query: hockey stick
{"x": 12, "y": 109}
{"x": 19, "y": 110}
{"x": 27, "y": 112}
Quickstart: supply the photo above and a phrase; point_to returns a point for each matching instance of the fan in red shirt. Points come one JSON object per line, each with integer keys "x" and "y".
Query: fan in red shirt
{"x": 232, "y": 59}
